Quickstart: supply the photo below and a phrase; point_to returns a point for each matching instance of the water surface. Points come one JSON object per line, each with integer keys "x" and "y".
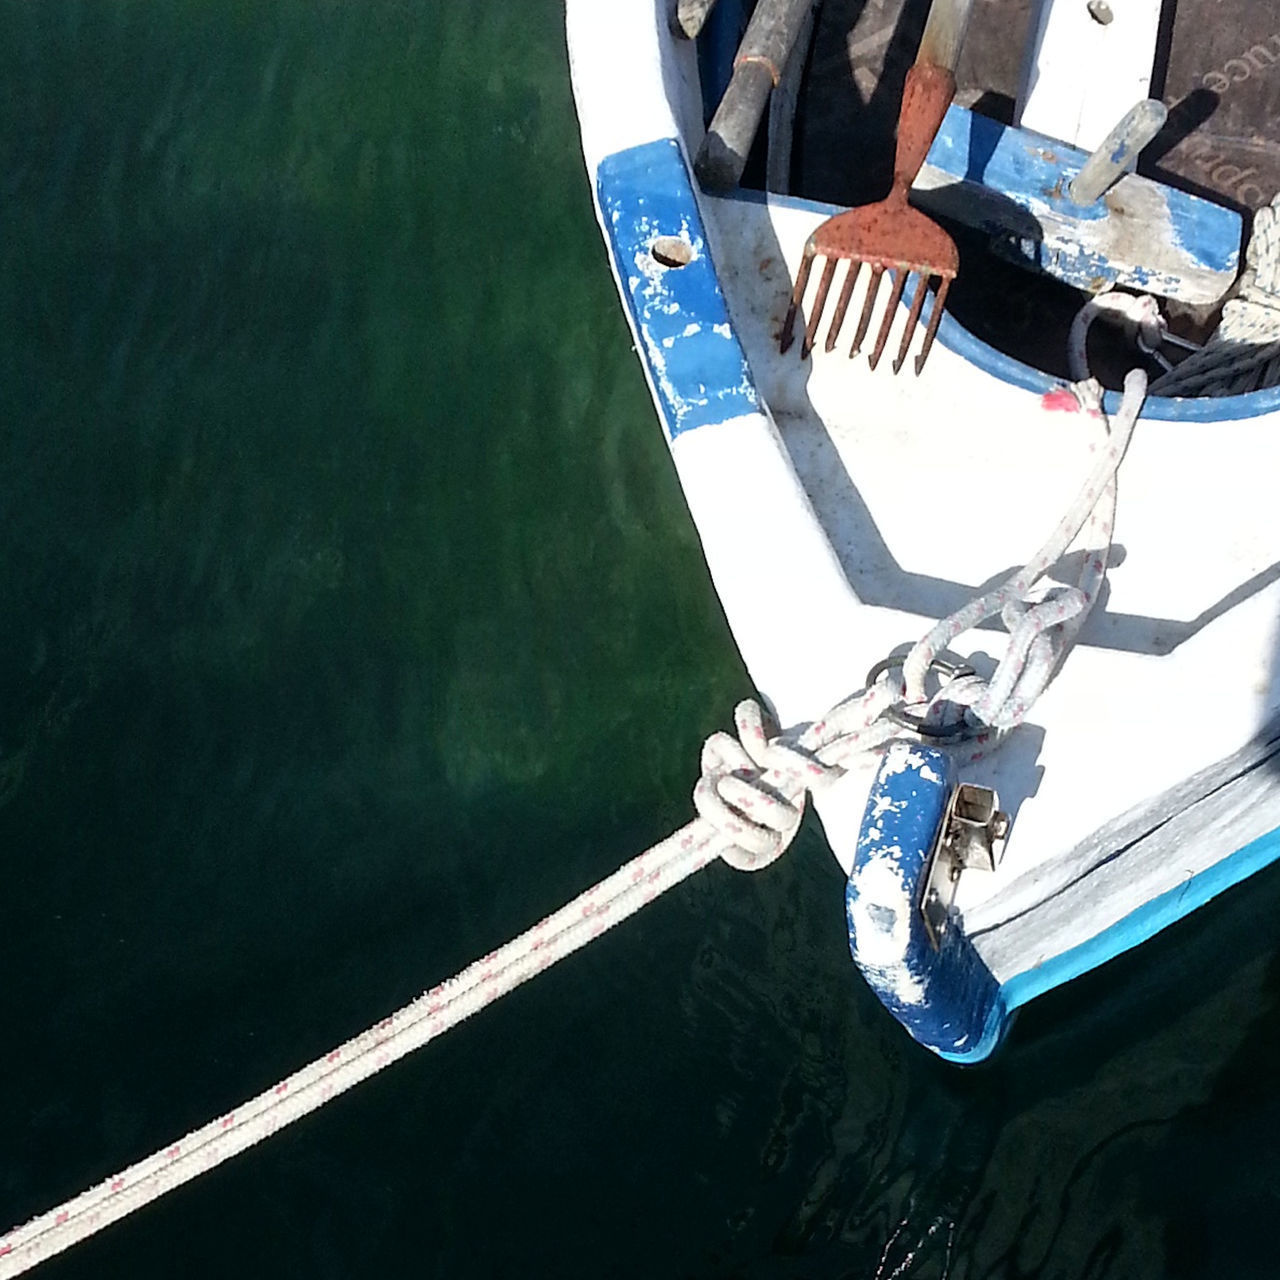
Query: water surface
{"x": 353, "y": 621}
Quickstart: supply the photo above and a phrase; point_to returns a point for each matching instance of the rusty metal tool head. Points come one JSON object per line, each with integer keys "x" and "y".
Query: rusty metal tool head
{"x": 890, "y": 235}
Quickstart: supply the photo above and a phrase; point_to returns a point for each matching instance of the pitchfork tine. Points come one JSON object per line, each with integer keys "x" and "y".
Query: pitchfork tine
{"x": 797, "y": 295}
{"x": 935, "y": 317}
{"x": 913, "y": 319}
{"x": 864, "y": 320}
{"x": 890, "y": 235}
{"x": 842, "y": 304}
{"x": 815, "y": 313}
{"x": 899, "y": 279}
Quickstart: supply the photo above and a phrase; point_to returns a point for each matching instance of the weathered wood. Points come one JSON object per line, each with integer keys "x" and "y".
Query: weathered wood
{"x": 1012, "y": 184}
{"x": 1118, "y": 151}
{"x": 944, "y": 33}
{"x": 1086, "y": 66}
{"x": 762, "y": 56}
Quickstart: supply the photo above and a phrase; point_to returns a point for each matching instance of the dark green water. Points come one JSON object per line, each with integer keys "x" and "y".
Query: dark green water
{"x": 352, "y": 620}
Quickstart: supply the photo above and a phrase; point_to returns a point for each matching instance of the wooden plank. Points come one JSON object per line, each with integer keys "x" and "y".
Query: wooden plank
{"x": 1013, "y": 184}
{"x": 1083, "y": 72}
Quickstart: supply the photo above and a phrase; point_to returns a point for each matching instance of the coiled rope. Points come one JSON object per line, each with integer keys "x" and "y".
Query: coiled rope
{"x": 750, "y": 801}
{"x": 1244, "y": 352}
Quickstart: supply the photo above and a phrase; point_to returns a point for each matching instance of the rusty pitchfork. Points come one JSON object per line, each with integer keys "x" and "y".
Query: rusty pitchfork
{"x": 890, "y": 235}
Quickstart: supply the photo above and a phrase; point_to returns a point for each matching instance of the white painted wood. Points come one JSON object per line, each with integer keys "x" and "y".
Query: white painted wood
{"x": 1165, "y": 847}
{"x": 1080, "y": 75}
{"x": 849, "y": 513}
{"x": 647, "y": 90}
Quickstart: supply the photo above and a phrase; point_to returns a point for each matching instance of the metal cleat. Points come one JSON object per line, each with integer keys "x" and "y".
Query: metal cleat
{"x": 971, "y": 836}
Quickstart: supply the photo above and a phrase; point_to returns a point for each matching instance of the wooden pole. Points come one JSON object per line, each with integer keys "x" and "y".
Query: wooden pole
{"x": 757, "y": 69}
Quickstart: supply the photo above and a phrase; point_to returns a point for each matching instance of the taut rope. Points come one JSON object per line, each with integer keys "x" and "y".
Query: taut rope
{"x": 749, "y": 798}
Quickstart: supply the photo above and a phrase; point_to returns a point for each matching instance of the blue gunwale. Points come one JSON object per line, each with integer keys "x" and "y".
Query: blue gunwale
{"x": 654, "y": 180}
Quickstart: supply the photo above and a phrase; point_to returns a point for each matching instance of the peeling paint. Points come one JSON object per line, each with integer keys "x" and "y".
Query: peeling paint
{"x": 1142, "y": 234}
{"x": 695, "y": 363}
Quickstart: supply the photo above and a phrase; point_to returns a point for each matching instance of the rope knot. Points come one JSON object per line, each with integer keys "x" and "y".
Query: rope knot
{"x": 752, "y": 788}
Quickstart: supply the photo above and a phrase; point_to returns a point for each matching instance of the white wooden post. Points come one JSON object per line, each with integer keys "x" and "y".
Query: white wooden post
{"x": 1087, "y": 63}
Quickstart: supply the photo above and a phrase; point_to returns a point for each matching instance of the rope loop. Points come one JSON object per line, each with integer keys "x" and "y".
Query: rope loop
{"x": 1043, "y": 618}
{"x": 752, "y": 788}
{"x": 1243, "y": 354}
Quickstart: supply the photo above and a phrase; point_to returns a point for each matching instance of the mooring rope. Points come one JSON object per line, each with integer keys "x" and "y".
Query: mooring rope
{"x": 1043, "y": 620}
{"x": 1140, "y": 313}
{"x": 1244, "y": 352}
{"x": 751, "y": 792}
{"x": 750, "y": 801}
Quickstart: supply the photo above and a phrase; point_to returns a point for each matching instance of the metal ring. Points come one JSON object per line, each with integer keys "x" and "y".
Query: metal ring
{"x": 952, "y": 670}
{"x": 901, "y": 716}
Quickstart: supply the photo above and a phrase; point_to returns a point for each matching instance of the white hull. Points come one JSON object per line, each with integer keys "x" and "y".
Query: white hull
{"x": 842, "y": 511}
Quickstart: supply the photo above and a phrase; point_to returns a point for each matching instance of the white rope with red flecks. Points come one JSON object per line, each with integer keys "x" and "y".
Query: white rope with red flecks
{"x": 1043, "y": 619}
{"x": 752, "y": 791}
{"x": 749, "y": 799}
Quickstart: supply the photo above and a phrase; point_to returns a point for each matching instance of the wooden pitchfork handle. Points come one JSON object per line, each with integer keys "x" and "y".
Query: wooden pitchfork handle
{"x": 929, "y": 88}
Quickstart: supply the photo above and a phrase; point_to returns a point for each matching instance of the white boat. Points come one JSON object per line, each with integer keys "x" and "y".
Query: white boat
{"x": 844, "y": 511}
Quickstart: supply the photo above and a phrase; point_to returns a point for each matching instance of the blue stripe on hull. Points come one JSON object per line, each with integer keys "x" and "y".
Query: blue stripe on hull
{"x": 1145, "y": 922}
{"x": 693, "y": 355}
{"x": 946, "y": 997}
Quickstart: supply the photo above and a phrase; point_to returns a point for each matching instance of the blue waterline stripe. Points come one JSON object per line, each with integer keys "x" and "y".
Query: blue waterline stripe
{"x": 1145, "y": 922}
{"x": 1137, "y": 927}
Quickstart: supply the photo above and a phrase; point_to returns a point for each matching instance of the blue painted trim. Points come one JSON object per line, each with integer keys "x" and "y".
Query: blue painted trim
{"x": 656, "y": 173}
{"x": 1140, "y": 925}
{"x": 1013, "y": 183}
{"x": 946, "y": 998}
{"x": 690, "y": 348}
{"x": 955, "y": 337}
{"x": 957, "y": 1009}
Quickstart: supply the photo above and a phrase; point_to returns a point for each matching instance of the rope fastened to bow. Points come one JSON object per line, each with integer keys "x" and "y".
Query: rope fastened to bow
{"x": 1043, "y": 619}
{"x": 750, "y": 802}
